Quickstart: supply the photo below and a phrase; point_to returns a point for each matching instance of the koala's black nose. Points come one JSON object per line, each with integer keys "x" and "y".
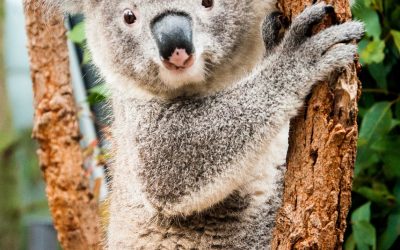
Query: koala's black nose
{"x": 173, "y": 35}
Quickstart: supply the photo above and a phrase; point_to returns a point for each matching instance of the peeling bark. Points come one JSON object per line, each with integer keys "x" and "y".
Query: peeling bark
{"x": 72, "y": 205}
{"x": 321, "y": 157}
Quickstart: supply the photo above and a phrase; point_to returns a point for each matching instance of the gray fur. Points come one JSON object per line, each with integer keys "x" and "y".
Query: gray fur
{"x": 197, "y": 156}
{"x": 66, "y": 6}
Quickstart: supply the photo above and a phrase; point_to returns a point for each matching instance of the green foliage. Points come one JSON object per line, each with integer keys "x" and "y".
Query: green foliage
{"x": 7, "y": 141}
{"x": 375, "y": 216}
{"x": 97, "y": 94}
{"x": 364, "y": 234}
{"x": 77, "y": 35}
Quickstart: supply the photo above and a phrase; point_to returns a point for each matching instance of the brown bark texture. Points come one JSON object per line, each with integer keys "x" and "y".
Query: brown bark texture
{"x": 73, "y": 207}
{"x": 321, "y": 156}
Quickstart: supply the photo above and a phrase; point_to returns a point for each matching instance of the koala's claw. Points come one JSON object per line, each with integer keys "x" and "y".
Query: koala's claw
{"x": 323, "y": 52}
{"x": 303, "y": 23}
{"x": 343, "y": 33}
{"x": 339, "y": 56}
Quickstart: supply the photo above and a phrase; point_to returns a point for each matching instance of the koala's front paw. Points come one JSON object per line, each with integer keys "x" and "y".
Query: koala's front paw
{"x": 326, "y": 51}
{"x": 333, "y": 44}
{"x": 273, "y": 29}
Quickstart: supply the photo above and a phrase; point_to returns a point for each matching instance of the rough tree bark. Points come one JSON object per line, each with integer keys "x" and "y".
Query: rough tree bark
{"x": 72, "y": 205}
{"x": 321, "y": 157}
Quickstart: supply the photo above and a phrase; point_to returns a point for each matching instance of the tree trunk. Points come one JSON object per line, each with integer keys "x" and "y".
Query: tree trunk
{"x": 72, "y": 205}
{"x": 321, "y": 157}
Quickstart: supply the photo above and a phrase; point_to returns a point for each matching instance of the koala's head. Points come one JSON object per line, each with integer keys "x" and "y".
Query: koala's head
{"x": 166, "y": 46}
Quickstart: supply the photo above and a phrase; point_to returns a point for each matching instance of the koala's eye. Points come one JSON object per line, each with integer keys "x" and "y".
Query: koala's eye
{"x": 129, "y": 16}
{"x": 207, "y": 3}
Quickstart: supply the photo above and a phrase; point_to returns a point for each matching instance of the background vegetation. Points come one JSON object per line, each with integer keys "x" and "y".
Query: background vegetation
{"x": 374, "y": 222}
{"x": 23, "y": 202}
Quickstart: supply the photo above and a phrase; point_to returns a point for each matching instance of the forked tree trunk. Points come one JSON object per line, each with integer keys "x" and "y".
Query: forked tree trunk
{"x": 321, "y": 157}
{"x": 72, "y": 206}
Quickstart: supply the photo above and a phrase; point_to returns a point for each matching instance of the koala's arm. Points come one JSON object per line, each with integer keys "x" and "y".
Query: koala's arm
{"x": 203, "y": 148}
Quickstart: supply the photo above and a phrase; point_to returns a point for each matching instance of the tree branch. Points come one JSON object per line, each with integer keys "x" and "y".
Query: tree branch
{"x": 321, "y": 157}
{"x": 72, "y": 205}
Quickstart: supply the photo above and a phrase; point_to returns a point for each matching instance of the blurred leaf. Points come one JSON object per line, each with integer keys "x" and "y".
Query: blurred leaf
{"x": 380, "y": 186}
{"x": 362, "y": 213}
{"x": 363, "y": 232}
{"x": 87, "y": 57}
{"x": 350, "y": 243}
{"x": 377, "y": 4}
{"x": 77, "y": 34}
{"x": 395, "y": 16}
{"x": 6, "y": 141}
{"x": 365, "y": 159}
{"x": 397, "y": 110}
{"x": 377, "y": 122}
{"x": 369, "y": 17}
{"x": 97, "y": 94}
{"x": 377, "y": 170}
{"x": 392, "y": 164}
{"x": 391, "y": 233}
{"x": 387, "y": 144}
{"x": 376, "y": 195}
{"x": 396, "y": 190}
{"x": 361, "y": 112}
{"x": 389, "y": 147}
{"x": 396, "y": 38}
{"x": 100, "y": 89}
{"x": 395, "y": 123}
{"x": 363, "y": 44}
{"x": 369, "y": 100}
{"x": 379, "y": 73}
{"x": 373, "y": 53}
{"x": 367, "y": 3}
{"x": 364, "y": 235}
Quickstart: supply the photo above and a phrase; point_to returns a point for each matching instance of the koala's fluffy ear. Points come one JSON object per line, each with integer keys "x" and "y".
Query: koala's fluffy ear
{"x": 65, "y": 6}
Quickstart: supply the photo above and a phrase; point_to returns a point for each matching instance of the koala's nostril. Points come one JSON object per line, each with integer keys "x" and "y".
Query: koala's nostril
{"x": 173, "y": 35}
{"x": 179, "y": 57}
{"x": 179, "y": 60}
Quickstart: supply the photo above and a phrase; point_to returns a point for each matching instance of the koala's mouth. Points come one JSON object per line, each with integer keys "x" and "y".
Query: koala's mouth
{"x": 179, "y": 61}
{"x": 192, "y": 71}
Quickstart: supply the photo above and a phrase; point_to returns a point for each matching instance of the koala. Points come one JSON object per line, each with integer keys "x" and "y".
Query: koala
{"x": 202, "y": 92}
